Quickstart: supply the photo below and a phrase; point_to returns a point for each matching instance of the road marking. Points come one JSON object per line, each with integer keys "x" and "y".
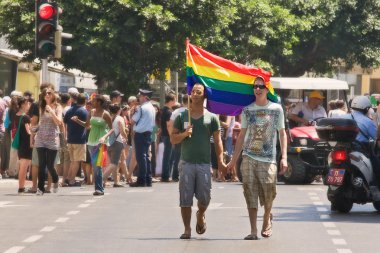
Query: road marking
{"x": 333, "y": 232}
{"x": 325, "y": 216}
{"x": 215, "y": 205}
{"x": 83, "y": 205}
{"x": 33, "y": 238}
{"x": 339, "y": 241}
{"x": 90, "y": 201}
{"x": 62, "y": 219}
{"x": 140, "y": 190}
{"x": 322, "y": 209}
{"x": 47, "y": 229}
{"x": 329, "y": 224}
{"x": 4, "y": 204}
{"x": 344, "y": 250}
{"x": 309, "y": 189}
{"x": 14, "y": 249}
{"x": 72, "y": 212}
{"x": 82, "y": 192}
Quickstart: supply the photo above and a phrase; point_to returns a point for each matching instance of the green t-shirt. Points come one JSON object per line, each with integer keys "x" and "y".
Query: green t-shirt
{"x": 196, "y": 149}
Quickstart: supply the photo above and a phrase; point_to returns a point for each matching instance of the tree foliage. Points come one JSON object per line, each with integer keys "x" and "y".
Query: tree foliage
{"x": 125, "y": 41}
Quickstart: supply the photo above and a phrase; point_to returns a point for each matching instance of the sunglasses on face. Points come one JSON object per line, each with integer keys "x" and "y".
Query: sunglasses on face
{"x": 198, "y": 92}
{"x": 48, "y": 93}
{"x": 260, "y": 87}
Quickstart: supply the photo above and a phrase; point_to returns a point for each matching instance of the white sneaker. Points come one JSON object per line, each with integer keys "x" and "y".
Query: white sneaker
{"x": 39, "y": 192}
{"x": 55, "y": 188}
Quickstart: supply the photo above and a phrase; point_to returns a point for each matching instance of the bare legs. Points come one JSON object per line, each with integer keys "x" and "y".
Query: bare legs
{"x": 24, "y": 164}
{"x": 186, "y": 217}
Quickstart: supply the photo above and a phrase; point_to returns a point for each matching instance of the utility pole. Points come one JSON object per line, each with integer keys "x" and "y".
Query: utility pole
{"x": 176, "y": 84}
{"x": 44, "y": 71}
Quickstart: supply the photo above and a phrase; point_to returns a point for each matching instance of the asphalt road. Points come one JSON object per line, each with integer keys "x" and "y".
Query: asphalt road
{"x": 148, "y": 220}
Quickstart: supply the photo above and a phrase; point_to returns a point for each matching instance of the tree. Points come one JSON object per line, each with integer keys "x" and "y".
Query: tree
{"x": 336, "y": 32}
{"x": 125, "y": 41}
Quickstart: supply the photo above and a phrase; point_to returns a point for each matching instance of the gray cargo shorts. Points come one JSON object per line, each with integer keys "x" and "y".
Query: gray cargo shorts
{"x": 194, "y": 179}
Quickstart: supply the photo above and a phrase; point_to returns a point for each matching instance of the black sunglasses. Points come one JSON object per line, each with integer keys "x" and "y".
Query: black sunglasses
{"x": 261, "y": 87}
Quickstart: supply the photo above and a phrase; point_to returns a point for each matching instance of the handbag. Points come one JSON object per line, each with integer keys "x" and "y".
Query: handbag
{"x": 16, "y": 139}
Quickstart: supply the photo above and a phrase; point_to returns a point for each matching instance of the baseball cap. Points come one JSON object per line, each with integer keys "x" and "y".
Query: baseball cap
{"x": 316, "y": 94}
{"x": 72, "y": 90}
{"x": 115, "y": 94}
{"x": 144, "y": 92}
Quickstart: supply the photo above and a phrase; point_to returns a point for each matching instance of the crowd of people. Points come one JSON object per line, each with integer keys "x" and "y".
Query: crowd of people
{"x": 101, "y": 138}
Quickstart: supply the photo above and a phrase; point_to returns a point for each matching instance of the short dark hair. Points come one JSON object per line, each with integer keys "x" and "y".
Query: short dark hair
{"x": 114, "y": 108}
{"x": 169, "y": 97}
{"x": 339, "y": 104}
{"x": 65, "y": 98}
{"x": 81, "y": 99}
{"x": 28, "y": 94}
{"x": 185, "y": 99}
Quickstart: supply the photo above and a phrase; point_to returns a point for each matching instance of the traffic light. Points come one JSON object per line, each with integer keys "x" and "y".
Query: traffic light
{"x": 46, "y": 24}
{"x": 59, "y": 35}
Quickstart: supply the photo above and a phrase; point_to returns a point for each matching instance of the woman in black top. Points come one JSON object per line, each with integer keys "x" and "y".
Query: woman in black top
{"x": 24, "y": 150}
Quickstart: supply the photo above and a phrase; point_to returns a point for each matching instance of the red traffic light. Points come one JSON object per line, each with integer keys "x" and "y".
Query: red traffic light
{"x": 47, "y": 11}
{"x": 46, "y": 29}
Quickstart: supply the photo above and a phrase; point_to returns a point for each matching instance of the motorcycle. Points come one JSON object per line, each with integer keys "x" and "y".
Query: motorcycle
{"x": 350, "y": 178}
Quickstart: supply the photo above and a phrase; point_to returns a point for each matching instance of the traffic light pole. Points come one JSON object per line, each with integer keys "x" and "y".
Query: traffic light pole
{"x": 44, "y": 71}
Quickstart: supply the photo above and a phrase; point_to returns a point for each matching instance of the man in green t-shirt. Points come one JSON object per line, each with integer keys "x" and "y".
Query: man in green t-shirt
{"x": 195, "y": 173}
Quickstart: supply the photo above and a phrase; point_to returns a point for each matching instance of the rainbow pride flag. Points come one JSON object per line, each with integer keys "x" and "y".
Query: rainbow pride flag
{"x": 100, "y": 156}
{"x": 229, "y": 85}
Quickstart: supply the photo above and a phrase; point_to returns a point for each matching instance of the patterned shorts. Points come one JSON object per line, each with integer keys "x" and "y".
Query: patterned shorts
{"x": 259, "y": 182}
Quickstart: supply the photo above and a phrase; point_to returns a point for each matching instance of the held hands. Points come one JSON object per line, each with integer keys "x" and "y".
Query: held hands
{"x": 223, "y": 168}
{"x": 231, "y": 165}
{"x": 283, "y": 166}
{"x": 102, "y": 140}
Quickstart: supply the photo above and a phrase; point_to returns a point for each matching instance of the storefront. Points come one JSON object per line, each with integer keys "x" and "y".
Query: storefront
{"x": 8, "y": 72}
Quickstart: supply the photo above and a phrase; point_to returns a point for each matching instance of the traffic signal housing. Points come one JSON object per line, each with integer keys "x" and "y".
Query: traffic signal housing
{"x": 59, "y": 35}
{"x": 46, "y": 25}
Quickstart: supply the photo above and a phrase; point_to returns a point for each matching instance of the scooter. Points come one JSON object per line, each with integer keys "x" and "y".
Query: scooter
{"x": 350, "y": 178}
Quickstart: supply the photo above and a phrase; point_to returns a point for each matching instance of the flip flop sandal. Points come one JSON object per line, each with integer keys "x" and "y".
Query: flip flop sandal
{"x": 268, "y": 231}
{"x": 201, "y": 229}
{"x": 185, "y": 236}
{"x": 251, "y": 237}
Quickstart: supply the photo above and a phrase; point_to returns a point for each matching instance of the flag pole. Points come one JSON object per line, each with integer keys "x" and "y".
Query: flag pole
{"x": 188, "y": 111}
{"x": 188, "y": 97}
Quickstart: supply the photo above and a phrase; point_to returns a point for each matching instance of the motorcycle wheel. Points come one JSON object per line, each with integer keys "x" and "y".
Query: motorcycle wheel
{"x": 376, "y": 205}
{"x": 340, "y": 203}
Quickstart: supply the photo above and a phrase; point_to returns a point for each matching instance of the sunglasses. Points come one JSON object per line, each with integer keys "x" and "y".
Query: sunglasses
{"x": 198, "y": 92}
{"x": 48, "y": 93}
{"x": 261, "y": 87}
